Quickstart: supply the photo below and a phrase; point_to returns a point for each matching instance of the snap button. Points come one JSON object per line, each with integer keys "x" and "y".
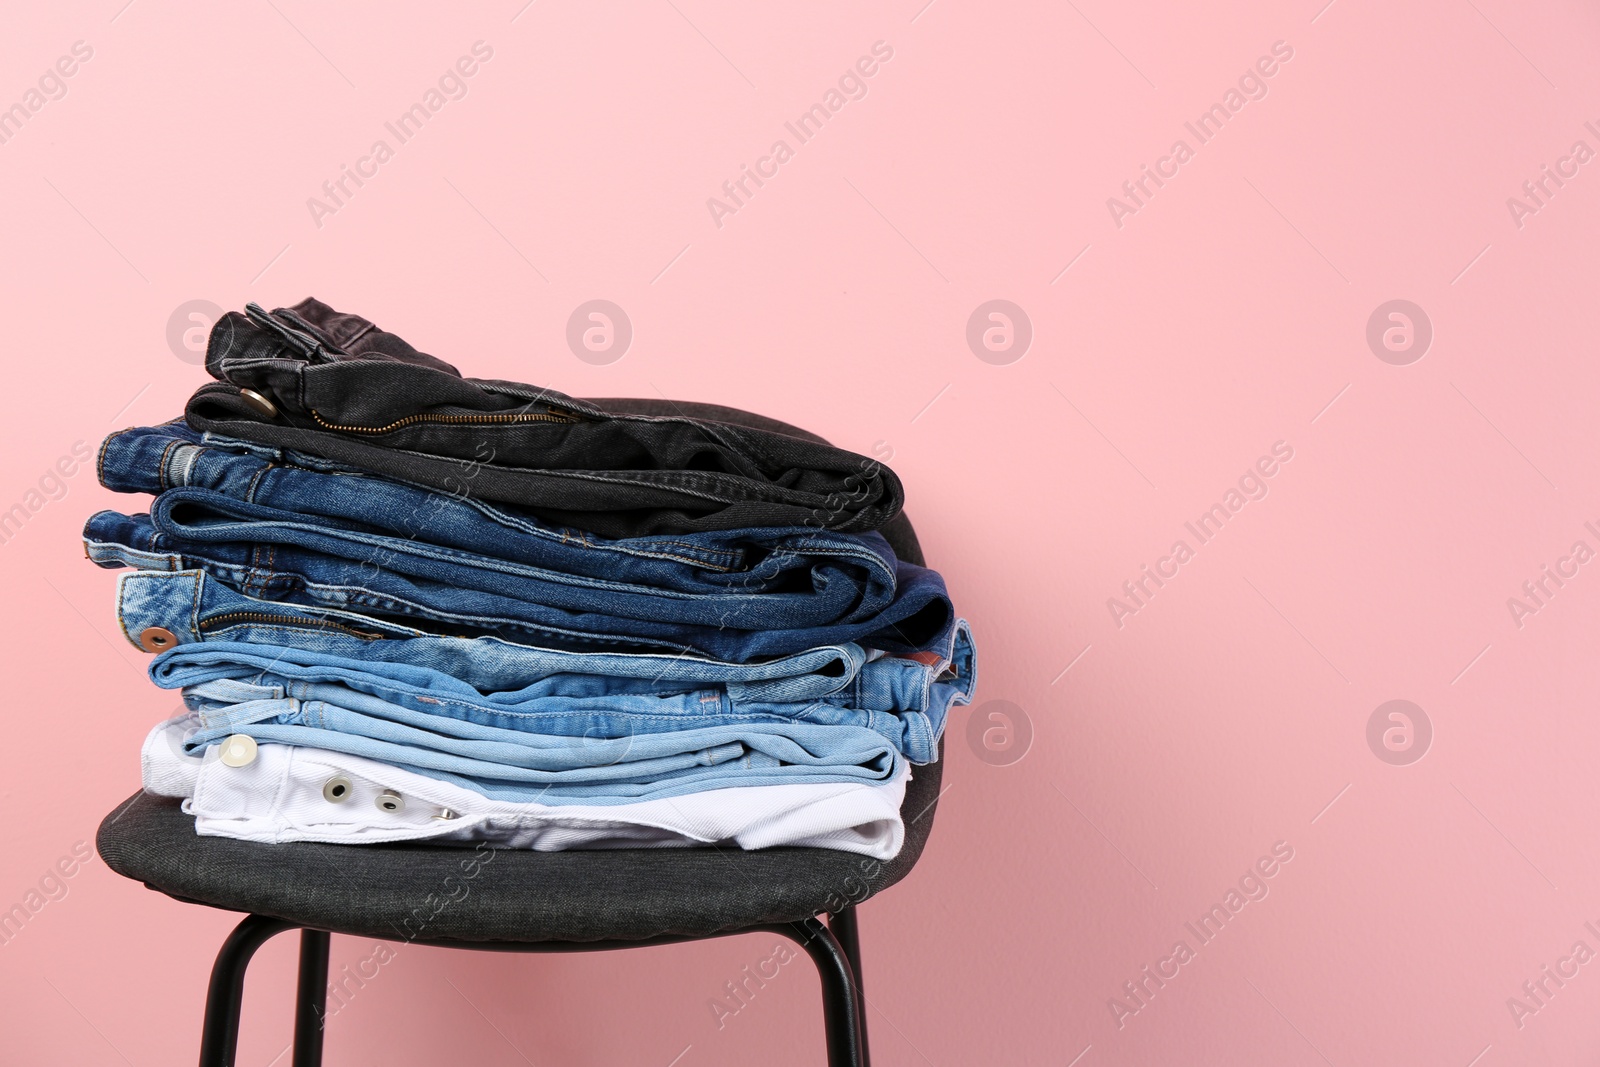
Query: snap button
{"x": 156, "y": 639}
{"x": 336, "y": 790}
{"x": 390, "y": 801}
{"x": 239, "y": 750}
{"x": 259, "y": 403}
{"x": 445, "y": 814}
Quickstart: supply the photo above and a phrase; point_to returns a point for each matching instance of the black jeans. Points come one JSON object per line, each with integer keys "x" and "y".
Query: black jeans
{"x": 336, "y": 386}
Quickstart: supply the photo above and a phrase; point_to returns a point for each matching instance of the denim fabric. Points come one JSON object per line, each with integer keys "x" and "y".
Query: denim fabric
{"x": 223, "y": 634}
{"x": 899, "y": 701}
{"x": 259, "y": 557}
{"x": 197, "y": 608}
{"x": 343, "y": 389}
{"x": 583, "y": 719}
{"x": 487, "y": 669}
{"x": 153, "y": 459}
{"x": 330, "y": 538}
{"x": 509, "y": 761}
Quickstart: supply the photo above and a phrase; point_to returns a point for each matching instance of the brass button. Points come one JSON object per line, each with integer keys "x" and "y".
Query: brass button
{"x": 239, "y": 750}
{"x": 156, "y": 639}
{"x": 261, "y": 405}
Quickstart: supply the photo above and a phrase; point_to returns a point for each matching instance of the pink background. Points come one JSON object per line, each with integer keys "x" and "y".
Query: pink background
{"x": 1227, "y": 314}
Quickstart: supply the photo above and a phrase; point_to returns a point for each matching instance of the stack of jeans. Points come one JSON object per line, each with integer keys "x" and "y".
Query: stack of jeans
{"x": 401, "y": 604}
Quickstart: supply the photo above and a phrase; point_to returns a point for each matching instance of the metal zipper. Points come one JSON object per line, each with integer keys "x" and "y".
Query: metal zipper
{"x": 290, "y": 620}
{"x": 465, "y": 419}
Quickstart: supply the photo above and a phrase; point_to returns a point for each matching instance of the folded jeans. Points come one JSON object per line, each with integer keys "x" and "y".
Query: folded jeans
{"x": 199, "y": 622}
{"x": 561, "y": 706}
{"x": 507, "y": 763}
{"x": 283, "y": 557}
{"x": 334, "y": 385}
{"x": 295, "y": 793}
{"x": 807, "y": 576}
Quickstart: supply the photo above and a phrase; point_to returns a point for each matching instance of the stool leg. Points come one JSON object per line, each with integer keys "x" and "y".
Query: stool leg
{"x": 841, "y": 1008}
{"x": 844, "y": 928}
{"x": 219, "y": 1035}
{"x": 311, "y": 999}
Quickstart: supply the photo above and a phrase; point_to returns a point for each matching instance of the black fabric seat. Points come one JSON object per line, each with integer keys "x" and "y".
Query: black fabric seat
{"x": 537, "y": 900}
{"x": 401, "y": 892}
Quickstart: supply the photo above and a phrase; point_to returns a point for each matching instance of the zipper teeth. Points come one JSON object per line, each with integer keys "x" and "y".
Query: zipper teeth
{"x": 409, "y": 419}
{"x": 257, "y": 616}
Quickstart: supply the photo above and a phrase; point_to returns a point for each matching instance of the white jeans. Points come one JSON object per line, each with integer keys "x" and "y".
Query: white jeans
{"x": 294, "y": 793}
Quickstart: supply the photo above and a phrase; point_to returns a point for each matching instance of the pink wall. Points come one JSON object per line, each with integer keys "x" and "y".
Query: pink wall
{"x": 1172, "y": 346}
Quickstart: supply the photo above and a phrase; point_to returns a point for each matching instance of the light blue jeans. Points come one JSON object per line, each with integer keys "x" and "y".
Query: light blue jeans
{"x": 510, "y": 763}
{"x": 223, "y": 634}
{"x": 536, "y": 708}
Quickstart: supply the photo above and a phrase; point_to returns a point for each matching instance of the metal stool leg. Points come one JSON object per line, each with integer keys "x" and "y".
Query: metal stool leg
{"x": 311, "y": 999}
{"x": 835, "y": 955}
{"x": 219, "y": 1035}
{"x": 841, "y": 1008}
{"x": 844, "y": 928}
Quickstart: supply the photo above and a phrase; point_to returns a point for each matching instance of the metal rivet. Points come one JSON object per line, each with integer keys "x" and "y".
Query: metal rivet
{"x": 259, "y": 403}
{"x": 239, "y": 750}
{"x": 390, "y": 801}
{"x": 336, "y": 790}
{"x": 156, "y": 639}
{"x": 446, "y": 813}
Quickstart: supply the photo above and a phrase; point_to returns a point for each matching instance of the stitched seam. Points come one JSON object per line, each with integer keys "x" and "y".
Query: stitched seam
{"x": 100, "y": 460}
{"x": 161, "y": 470}
{"x": 194, "y": 610}
{"x": 255, "y": 482}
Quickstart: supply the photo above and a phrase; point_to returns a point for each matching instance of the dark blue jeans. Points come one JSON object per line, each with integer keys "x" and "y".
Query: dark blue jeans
{"x": 294, "y": 528}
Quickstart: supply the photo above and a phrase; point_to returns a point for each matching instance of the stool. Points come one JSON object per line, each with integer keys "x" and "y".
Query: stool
{"x": 519, "y": 900}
